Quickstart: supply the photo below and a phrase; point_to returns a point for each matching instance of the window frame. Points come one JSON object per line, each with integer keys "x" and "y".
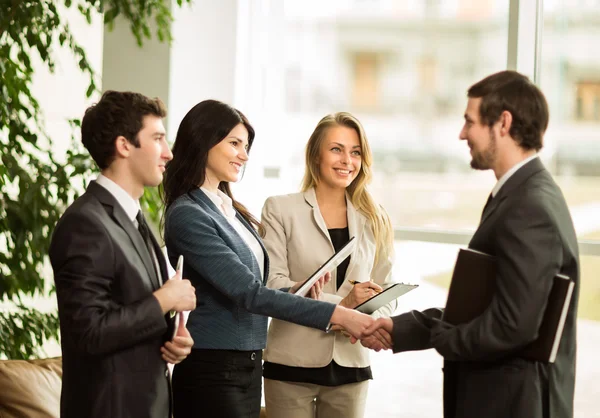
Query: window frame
{"x": 523, "y": 55}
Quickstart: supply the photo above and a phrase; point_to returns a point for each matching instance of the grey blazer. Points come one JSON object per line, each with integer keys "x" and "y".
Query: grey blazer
{"x": 232, "y": 300}
{"x": 112, "y": 327}
{"x": 527, "y": 226}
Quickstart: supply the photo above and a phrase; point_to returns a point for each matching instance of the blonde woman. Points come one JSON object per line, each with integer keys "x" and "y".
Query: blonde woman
{"x": 309, "y": 373}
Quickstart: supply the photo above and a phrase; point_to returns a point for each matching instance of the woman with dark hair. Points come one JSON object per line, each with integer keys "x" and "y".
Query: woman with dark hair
{"x": 228, "y": 265}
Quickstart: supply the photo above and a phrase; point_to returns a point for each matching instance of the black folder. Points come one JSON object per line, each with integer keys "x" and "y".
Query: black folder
{"x": 472, "y": 289}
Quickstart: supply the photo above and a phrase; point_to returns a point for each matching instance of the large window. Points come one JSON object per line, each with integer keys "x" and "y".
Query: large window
{"x": 403, "y": 67}
{"x": 570, "y": 78}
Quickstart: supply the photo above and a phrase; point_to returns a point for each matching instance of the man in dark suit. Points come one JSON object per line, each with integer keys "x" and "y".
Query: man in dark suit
{"x": 526, "y": 224}
{"x": 111, "y": 277}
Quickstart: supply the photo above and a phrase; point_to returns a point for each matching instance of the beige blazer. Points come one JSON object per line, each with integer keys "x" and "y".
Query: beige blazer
{"x": 298, "y": 242}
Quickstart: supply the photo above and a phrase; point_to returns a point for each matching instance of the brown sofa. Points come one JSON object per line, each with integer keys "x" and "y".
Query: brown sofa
{"x": 31, "y": 388}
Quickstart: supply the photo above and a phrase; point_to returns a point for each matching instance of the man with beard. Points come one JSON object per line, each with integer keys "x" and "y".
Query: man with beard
{"x": 526, "y": 225}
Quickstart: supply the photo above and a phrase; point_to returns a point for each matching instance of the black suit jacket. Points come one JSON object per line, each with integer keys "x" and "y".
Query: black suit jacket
{"x": 527, "y": 226}
{"x": 112, "y": 327}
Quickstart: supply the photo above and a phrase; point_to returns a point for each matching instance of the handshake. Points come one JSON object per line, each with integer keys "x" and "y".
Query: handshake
{"x": 373, "y": 334}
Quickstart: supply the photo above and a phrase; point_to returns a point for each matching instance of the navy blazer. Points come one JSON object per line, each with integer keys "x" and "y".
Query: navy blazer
{"x": 232, "y": 301}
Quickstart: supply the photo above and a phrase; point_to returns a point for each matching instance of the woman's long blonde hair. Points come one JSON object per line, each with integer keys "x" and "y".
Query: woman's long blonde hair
{"x": 357, "y": 190}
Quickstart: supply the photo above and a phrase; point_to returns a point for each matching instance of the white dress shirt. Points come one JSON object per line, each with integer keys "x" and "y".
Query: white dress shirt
{"x": 128, "y": 203}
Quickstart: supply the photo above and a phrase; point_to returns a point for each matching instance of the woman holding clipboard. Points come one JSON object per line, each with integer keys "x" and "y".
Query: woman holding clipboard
{"x": 227, "y": 263}
{"x": 308, "y": 373}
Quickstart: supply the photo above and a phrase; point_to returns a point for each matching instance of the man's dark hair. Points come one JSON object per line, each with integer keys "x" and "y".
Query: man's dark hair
{"x": 515, "y": 93}
{"x": 116, "y": 114}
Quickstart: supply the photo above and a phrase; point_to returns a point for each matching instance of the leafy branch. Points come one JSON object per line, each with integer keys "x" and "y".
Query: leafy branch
{"x": 35, "y": 185}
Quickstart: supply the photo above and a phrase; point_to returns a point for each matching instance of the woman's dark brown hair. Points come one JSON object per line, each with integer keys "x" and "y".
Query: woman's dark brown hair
{"x": 204, "y": 126}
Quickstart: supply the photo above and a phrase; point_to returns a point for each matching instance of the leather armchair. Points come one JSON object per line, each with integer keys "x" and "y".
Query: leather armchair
{"x": 30, "y": 388}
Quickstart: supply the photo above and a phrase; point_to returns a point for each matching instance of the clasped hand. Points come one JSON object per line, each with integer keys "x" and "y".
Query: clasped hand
{"x": 377, "y": 336}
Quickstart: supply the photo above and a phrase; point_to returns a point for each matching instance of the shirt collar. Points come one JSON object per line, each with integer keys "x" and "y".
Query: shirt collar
{"x": 509, "y": 173}
{"x": 222, "y": 201}
{"x": 128, "y": 203}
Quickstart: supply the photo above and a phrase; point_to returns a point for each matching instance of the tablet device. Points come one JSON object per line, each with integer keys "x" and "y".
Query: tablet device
{"x": 384, "y": 297}
{"x": 328, "y": 266}
{"x": 175, "y": 314}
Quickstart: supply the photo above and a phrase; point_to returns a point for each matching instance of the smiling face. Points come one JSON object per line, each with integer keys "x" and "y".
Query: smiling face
{"x": 340, "y": 157}
{"x": 227, "y": 158}
{"x": 147, "y": 162}
{"x": 479, "y": 136}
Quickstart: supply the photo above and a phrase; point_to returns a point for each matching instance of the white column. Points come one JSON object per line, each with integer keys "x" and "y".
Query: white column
{"x": 129, "y": 67}
{"x": 198, "y": 64}
{"x": 524, "y": 37}
{"x": 203, "y": 56}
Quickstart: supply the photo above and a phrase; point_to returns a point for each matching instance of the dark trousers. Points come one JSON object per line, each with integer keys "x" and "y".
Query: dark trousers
{"x": 218, "y": 384}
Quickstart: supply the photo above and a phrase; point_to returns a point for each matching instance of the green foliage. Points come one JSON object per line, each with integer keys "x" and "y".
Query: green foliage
{"x": 26, "y": 329}
{"x": 35, "y": 186}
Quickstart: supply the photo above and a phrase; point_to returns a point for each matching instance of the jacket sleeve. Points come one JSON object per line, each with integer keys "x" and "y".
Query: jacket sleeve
{"x": 529, "y": 255}
{"x": 412, "y": 330}
{"x": 194, "y": 235}
{"x": 92, "y": 320}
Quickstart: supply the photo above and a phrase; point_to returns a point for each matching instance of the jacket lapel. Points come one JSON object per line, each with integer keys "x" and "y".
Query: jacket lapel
{"x": 311, "y": 198}
{"x": 116, "y": 212}
{"x": 514, "y": 181}
{"x": 356, "y": 226}
{"x": 201, "y": 198}
{"x": 491, "y": 207}
{"x": 260, "y": 242}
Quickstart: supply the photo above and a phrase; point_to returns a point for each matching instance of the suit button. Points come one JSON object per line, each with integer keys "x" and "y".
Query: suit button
{"x": 253, "y": 356}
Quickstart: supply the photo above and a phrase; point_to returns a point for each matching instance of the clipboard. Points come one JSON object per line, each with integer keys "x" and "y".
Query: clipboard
{"x": 334, "y": 261}
{"x": 384, "y": 297}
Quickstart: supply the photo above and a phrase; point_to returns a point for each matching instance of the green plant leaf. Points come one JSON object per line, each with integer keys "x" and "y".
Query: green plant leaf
{"x": 36, "y": 187}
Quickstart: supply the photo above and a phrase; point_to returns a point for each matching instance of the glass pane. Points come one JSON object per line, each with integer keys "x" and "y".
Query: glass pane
{"x": 570, "y": 78}
{"x": 402, "y": 67}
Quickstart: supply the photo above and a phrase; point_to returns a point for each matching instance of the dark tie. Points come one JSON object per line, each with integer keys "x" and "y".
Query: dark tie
{"x": 487, "y": 203}
{"x": 145, "y": 233}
